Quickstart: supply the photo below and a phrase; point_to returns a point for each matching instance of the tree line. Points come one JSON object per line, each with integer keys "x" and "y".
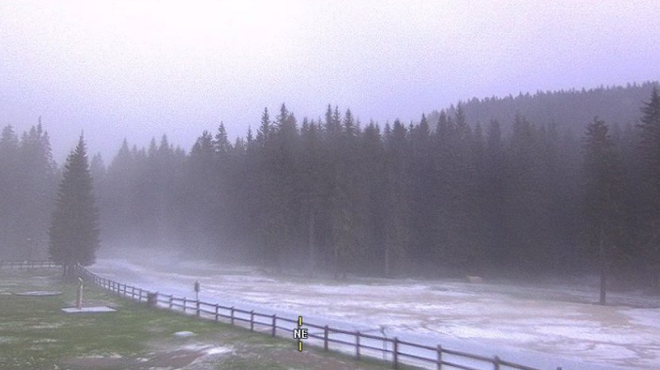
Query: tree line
{"x": 441, "y": 196}
{"x": 334, "y": 194}
{"x": 28, "y": 177}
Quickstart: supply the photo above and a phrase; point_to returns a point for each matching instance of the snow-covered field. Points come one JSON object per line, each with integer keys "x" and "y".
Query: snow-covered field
{"x": 541, "y": 326}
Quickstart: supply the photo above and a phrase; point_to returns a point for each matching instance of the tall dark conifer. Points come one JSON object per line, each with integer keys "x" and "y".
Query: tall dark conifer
{"x": 649, "y": 151}
{"x": 74, "y": 230}
{"x": 602, "y": 197}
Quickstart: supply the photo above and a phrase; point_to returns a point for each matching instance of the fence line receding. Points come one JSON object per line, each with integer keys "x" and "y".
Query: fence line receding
{"x": 396, "y": 351}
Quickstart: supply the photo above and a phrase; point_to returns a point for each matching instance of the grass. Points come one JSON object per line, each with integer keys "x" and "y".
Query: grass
{"x": 36, "y": 334}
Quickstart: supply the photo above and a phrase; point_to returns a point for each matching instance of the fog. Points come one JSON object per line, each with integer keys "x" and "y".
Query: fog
{"x": 124, "y": 69}
{"x": 478, "y": 174}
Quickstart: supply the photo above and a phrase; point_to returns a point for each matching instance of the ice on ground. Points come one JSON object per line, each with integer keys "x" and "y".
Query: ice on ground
{"x": 99, "y": 309}
{"x": 207, "y": 349}
{"x": 544, "y": 326}
{"x": 39, "y": 293}
{"x": 183, "y": 334}
{"x": 7, "y": 339}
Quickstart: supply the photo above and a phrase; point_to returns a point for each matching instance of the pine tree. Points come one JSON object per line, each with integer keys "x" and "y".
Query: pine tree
{"x": 602, "y": 197}
{"x": 650, "y": 139}
{"x": 649, "y": 150}
{"x": 264, "y": 131}
{"x": 74, "y": 230}
{"x": 9, "y": 189}
{"x": 222, "y": 145}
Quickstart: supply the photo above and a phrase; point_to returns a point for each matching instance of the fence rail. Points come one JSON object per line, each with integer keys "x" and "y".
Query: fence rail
{"x": 398, "y": 352}
{"x": 28, "y": 264}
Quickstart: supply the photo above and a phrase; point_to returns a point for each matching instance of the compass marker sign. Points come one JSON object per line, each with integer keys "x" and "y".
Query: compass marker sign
{"x": 300, "y": 333}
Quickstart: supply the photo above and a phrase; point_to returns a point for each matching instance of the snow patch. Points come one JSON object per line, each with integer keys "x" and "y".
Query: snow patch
{"x": 183, "y": 334}
{"x": 544, "y": 326}
{"x": 207, "y": 349}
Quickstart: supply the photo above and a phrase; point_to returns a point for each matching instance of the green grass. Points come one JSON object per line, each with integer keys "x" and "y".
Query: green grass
{"x": 36, "y": 334}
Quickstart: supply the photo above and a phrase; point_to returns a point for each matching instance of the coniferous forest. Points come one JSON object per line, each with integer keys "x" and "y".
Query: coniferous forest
{"x": 548, "y": 184}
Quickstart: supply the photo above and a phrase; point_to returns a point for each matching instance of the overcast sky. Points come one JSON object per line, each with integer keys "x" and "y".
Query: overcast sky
{"x": 138, "y": 69}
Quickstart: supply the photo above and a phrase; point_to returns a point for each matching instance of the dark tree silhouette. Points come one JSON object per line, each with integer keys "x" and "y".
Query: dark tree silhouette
{"x": 649, "y": 151}
{"x": 602, "y": 197}
{"x": 74, "y": 230}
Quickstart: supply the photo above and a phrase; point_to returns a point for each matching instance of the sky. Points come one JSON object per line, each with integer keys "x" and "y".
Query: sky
{"x": 141, "y": 69}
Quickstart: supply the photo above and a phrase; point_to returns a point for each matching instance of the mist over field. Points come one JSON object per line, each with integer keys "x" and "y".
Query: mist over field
{"x": 483, "y": 174}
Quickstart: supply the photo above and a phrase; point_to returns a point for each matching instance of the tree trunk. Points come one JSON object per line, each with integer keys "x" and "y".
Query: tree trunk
{"x": 603, "y": 284}
{"x": 311, "y": 263}
{"x": 603, "y": 269}
{"x": 387, "y": 260}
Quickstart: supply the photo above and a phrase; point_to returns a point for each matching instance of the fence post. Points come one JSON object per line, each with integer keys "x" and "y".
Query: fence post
{"x": 325, "y": 338}
{"x": 439, "y": 357}
{"x": 252, "y": 320}
{"x": 395, "y": 353}
{"x": 197, "y": 308}
{"x": 231, "y": 315}
{"x": 274, "y": 323}
{"x": 184, "y": 304}
{"x": 357, "y": 345}
{"x": 217, "y": 307}
{"x": 496, "y": 363}
{"x": 152, "y": 299}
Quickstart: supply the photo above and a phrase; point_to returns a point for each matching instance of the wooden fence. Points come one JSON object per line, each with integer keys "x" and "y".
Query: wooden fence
{"x": 28, "y": 264}
{"x": 361, "y": 344}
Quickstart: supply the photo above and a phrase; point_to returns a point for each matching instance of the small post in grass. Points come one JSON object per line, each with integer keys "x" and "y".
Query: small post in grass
{"x": 152, "y": 299}
{"x": 197, "y": 298}
{"x": 79, "y": 296}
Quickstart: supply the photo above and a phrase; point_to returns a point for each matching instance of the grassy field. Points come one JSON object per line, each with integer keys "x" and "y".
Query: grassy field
{"x": 36, "y": 334}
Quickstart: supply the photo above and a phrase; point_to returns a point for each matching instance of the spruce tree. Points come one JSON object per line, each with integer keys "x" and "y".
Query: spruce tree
{"x": 650, "y": 141}
{"x": 602, "y": 197}
{"x": 649, "y": 150}
{"x": 74, "y": 230}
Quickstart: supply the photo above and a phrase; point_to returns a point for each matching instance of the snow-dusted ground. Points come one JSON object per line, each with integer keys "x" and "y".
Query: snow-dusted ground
{"x": 549, "y": 326}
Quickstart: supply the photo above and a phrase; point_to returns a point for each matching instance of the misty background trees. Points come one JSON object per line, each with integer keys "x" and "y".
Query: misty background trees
{"x": 28, "y": 178}
{"x": 509, "y": 185}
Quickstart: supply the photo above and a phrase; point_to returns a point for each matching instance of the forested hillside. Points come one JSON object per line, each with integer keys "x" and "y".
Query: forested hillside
{"x": 454, "y": 193}
{"x": 570, "y": 109}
